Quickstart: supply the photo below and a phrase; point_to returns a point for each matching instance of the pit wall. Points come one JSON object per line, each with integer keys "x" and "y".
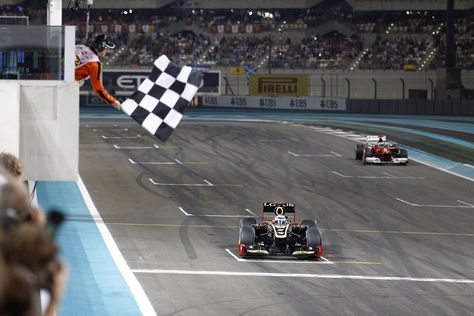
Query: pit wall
{"x": 39, "y": 123}
{"x": 354, "y": 106}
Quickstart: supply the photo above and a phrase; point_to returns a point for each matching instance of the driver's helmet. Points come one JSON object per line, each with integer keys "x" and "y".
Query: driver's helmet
{"x": 280, "y": 220}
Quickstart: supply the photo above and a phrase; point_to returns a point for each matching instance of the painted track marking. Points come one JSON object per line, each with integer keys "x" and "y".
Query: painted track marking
{"x": 333, "y": 154}
{"x": 133, "y": 162}
{"x": 151, "y": 162}
{"x": 211, "y": 215}
{"x": 137, "y": 147}
{"x": 184, "y": 212}
{"x": 206, "y": 184}
{"x": 110, "y": 130}
{"x": 121, "y": 137}
{"x": 304, "y": 275}
{"x": 387, "y": 176}
{"x": 250, "y": 212}
{"x": 466, "y": 205}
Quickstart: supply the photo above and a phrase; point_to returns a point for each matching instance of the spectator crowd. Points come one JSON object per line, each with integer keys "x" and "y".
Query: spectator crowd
{"x": 330, "y": 52}
{"x": 464, "y": 52}
{"x": 181, "y": 48}
{"x": 395, "y": 53}
{"x": 28, "y": 253}
{"x": 219, "y": 37}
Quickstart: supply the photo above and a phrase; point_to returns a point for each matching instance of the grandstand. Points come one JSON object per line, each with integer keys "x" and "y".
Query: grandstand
{"x": 338, "y": 42}
{"x": 348, "y": 49}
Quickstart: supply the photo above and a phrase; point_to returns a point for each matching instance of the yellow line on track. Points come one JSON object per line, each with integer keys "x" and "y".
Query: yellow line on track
{"x": 171, "y": 225}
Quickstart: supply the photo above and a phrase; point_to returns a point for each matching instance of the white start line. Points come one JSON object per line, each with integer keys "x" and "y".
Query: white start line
{"x": 302, "y": 275}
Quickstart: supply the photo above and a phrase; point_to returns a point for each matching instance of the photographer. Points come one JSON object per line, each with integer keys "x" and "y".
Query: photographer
{"x": 32, "y": 251}
{"x": 28, "y": 253}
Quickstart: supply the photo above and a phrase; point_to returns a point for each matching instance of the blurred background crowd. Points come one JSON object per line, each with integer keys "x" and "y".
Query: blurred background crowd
{"x": 329, "y": 35}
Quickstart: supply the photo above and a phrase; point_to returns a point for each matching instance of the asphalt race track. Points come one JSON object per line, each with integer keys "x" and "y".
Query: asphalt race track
{"x": 398, "y": 239}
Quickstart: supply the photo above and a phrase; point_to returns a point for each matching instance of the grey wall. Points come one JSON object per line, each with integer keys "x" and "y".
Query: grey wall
{"x": 424, "y": 107}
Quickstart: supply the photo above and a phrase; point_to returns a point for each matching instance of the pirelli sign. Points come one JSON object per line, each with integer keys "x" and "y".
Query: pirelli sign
{"x": 278, "y": 85}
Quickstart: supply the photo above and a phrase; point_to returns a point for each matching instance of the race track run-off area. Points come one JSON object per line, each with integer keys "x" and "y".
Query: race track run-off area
{"x": 397, "y": 239}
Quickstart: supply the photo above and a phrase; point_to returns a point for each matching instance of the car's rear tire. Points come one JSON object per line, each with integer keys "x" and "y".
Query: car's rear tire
{"x": 359, "y": 151}
{"x": 247, "y": 221}
{"x": 403, "y": 153}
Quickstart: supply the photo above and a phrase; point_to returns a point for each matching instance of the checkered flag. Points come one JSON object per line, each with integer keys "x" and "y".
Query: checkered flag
{"x": 161, "y": 99}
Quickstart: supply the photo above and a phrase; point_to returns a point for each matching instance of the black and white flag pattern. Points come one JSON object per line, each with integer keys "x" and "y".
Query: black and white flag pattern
{"x": 161, "y": 99}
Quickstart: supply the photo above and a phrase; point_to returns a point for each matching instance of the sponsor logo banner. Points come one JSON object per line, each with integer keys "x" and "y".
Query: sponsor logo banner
{"x": 122, "y": 84}
{"x": 237, "y": 70}
{"x": 278, "y": 85}
{"x": 289, "y": 103}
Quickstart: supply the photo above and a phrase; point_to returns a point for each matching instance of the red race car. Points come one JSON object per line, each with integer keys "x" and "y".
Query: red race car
{"x": 376, "y": 150}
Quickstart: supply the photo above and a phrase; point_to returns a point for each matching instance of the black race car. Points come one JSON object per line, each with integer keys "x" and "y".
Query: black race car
{"x": 279, "y": 236}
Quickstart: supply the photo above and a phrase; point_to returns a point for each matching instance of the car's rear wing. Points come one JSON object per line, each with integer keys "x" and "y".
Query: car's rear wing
{"x": 375, "y": 138}
{"x": 278, "y": 208}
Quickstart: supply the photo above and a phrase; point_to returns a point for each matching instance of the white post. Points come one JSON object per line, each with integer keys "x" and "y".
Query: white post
{"x": 55, "y": 16}
{"x": 69, "y": 53}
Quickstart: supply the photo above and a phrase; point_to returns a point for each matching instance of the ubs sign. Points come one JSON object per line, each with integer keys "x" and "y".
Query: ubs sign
{"x": 278, "y": 85}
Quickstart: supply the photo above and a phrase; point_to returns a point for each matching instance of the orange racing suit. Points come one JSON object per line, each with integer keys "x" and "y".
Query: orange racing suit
{"x": 88, "y": 66}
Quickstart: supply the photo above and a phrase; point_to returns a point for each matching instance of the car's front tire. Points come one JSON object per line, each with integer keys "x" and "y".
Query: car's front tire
{"x": 247, "y": 221}
{"x": 246, "y": 238}
{"x": 314, "y": 240}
